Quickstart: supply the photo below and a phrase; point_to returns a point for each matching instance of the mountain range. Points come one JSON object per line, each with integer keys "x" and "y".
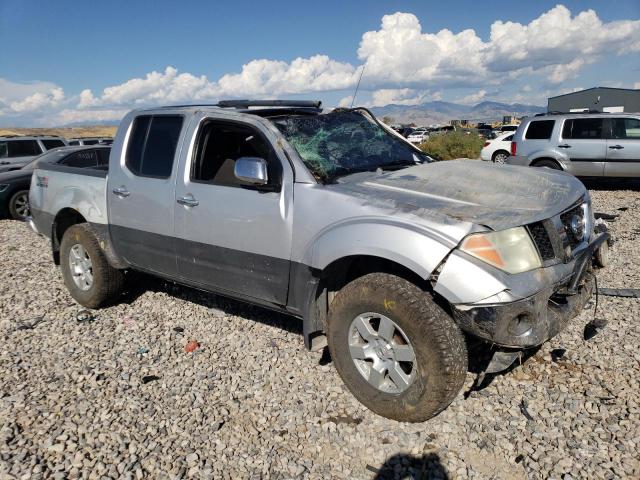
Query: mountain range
{"x": 443, "y": 112}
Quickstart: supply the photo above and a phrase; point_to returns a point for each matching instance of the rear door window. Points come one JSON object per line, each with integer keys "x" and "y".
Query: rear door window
{"x": 152, "y": 145}
{"x": 23, "y": 148}
{"x": 81, "y": 159}
{"x": 540, "y": 130}
{"x": 622, "y": 128}
{"x": 49, "y": 144}
{"x": 3, "y": 150}
{"x": 583, "y": 129}
{"x": 103, "y": 157}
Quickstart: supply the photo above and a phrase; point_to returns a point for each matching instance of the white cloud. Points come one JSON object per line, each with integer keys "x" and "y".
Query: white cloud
{"x": 636, "y": 85}
{"x": 38, "y": 101}
{"x": 23, "y": 98}
{"x": 555, "y": 45}
{"x": 397, "y": 96}
{"x": 302, "y": 75}
{"x": 345, "y": 101}
{"x": 69, "y": 115}
{"x": 473, "y": 98}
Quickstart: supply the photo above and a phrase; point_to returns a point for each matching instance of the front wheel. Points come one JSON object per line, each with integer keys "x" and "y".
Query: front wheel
{"x": 91, "y": 281}
{"x": 19, "y": 205}
{"x": 395, "y": 348}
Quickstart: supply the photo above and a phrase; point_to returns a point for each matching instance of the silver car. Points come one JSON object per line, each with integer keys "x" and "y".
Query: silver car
{"x": 584, "y": 144}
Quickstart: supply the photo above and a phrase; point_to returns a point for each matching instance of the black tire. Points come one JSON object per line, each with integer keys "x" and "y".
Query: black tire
{"x": 19, "y": 205}
{"x": 107, "y": 281}
{"x": 548, "y": 164}
{"x": 439, "y": 346}
{"x": 500, "y": 156}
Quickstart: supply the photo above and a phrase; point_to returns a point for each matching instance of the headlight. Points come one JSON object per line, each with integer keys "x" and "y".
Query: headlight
{"x": 510, "y": 250}
{"x": 3, "y": 187}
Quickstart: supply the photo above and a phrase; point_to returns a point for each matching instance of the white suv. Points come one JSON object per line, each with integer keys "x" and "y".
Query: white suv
{"x": 18, "y": 151}
{"x": 583, "y": 144}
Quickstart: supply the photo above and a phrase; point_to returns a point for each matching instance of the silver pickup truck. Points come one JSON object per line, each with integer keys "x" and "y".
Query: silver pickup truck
{"x": 388, "y": 257}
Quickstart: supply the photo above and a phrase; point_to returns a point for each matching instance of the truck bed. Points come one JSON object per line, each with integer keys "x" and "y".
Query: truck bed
{"x": 55, "y": 187}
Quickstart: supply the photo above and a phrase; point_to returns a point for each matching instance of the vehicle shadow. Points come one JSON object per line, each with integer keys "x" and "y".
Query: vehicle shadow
{"x": 611, "y": 183}
{"x": 139, "y": 283}
{"x": 403, "y": 466}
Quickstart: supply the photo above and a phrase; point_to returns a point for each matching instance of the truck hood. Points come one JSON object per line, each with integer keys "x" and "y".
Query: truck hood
{"x": 491, "y": 195}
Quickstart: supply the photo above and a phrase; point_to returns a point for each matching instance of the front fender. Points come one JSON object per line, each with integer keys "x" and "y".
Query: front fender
{"x": 418, "y": 250}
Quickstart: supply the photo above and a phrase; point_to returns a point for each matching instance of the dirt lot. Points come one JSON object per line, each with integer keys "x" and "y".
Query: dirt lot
{"x": 118, "y": 397}
{"x": 67, "y": 132}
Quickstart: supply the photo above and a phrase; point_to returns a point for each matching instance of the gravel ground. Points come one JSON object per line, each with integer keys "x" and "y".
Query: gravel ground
{"x": 117, "y": 396}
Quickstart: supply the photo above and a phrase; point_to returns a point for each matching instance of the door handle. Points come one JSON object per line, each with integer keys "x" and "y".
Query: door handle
{"x": 121, "y": 192}
{"x": 616, "y": 147}
{"x": 564, "y": 145}
{"x": 188, "y": 201}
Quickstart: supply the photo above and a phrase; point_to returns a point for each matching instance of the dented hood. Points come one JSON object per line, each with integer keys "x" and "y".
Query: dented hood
{"x": 492, "y": 195}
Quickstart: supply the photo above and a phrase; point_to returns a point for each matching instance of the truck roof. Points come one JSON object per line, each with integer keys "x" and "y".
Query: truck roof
{"x": 255, "y": 107}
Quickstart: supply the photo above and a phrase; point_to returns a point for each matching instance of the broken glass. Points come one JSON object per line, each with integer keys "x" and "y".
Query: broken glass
{"x": 345, "y": 142}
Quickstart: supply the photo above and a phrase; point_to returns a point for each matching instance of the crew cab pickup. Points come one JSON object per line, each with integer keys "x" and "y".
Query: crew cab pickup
{"x": 388, "y": 257}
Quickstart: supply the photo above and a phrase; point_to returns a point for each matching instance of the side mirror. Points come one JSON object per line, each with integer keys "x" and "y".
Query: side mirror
{"x": 251, "y": 170}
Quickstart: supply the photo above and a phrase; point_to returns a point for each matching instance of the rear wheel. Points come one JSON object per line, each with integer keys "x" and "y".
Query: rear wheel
{"x": 500, "y": 156}
{"x": 19, "y": 205}
{"x": 91, "y": 281}
{"x": 547, "y": 164}
{"x": 396, "y": 350}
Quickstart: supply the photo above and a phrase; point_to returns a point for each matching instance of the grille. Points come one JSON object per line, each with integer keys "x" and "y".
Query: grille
{"x": 565, "y": 218}
{"x": 542, "y": 240}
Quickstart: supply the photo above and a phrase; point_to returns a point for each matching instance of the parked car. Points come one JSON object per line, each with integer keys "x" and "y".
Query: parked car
{"x": 585, "y": 145}
{"x": 17, "y": 151}
{"x": 486, "y": 133}
{"x": 332, "y": 218}
{"x": 418, "y": 136}
{"x": 14, "y": 185}
{"x": 497, "y": 150}
{"x": 505, "y": 129}
{"x": 91, "y": 141}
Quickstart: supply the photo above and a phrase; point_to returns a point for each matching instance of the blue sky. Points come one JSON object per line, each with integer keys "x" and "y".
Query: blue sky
{"x": 59, "y": 49}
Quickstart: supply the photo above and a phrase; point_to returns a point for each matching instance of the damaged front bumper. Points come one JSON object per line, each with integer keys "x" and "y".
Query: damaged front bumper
{"x": 533, "y": 320}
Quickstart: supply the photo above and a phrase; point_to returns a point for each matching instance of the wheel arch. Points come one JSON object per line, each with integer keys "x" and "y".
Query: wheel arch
{"x": 331, "y": 279}
{"x": 548, "y": 159}
{"x": 499, "y": 150}
{"x": 67, "y": 217}
{"x": 64, "y": 219}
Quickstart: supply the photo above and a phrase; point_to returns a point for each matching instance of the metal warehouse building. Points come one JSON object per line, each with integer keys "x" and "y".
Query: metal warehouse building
{"x": 602, "y": 99}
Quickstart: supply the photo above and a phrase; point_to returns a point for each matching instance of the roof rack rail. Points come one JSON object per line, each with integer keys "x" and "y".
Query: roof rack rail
{"x": 570, "y": 113}
{"x": 269, "y": 103}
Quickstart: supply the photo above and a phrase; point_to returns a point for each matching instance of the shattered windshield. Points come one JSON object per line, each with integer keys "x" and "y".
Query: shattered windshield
{"x": 344, "y": 142}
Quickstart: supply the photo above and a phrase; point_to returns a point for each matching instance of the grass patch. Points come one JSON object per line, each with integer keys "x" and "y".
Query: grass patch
{"x": 449, "y": 146}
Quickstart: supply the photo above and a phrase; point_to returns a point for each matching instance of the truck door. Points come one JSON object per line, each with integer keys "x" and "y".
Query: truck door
{"x": 141, "y": 192}
{"x": 583, "y": 142}
{"x": 623, "y": 148}
{"x": 232, "y": 236}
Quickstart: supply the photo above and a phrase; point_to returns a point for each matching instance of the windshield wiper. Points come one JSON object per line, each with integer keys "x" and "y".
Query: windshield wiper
{"x": 344, "y": 171}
